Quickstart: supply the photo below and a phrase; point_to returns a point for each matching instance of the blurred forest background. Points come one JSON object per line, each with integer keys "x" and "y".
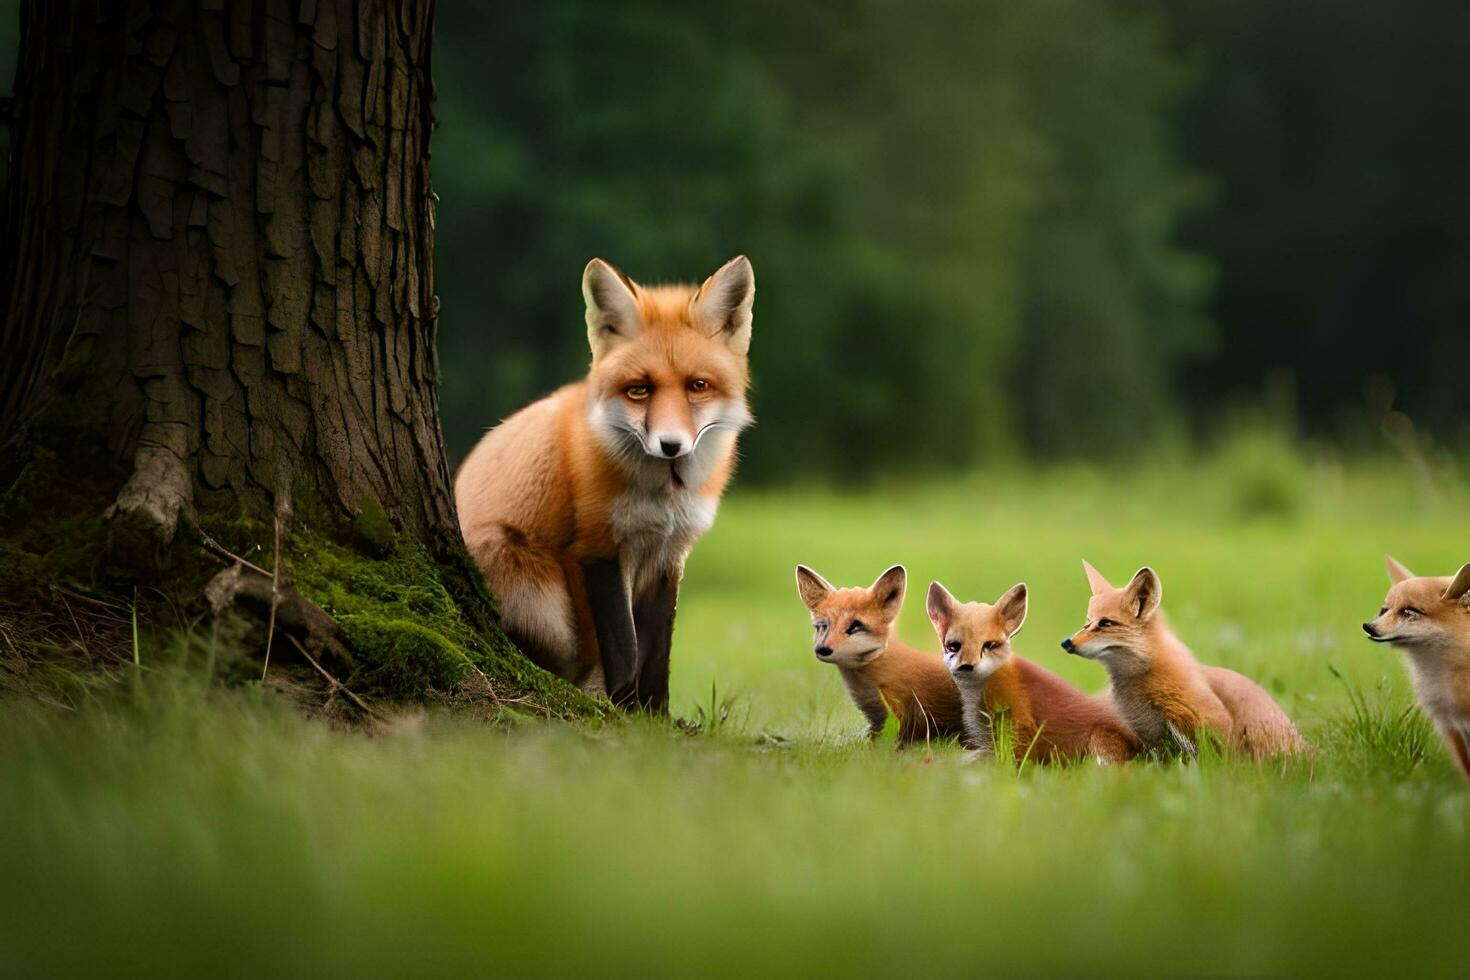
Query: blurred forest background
{"x": 981, "y": 230}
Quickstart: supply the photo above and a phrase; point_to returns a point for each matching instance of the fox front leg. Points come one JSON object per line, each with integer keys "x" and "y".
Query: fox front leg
{"x": 865, "y": 695}
{"x": 979, "y": 729}
{"x": 653, "y": 622}
{"x": 612, "y": 618}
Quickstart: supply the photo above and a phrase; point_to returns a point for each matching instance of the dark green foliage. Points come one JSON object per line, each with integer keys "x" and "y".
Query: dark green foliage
{"x": 957, "y": 212}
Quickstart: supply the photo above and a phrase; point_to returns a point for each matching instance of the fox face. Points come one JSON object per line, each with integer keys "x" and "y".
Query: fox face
{"x": 851, "y": 626}
{"x": 669, "y": 369}
{"x": 1117, "y": 621}
{"x": 1423, "y": 613}
{"x": 976, "y": 637}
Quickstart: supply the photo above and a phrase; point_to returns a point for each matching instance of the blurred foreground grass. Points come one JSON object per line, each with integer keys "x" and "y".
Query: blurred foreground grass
{"x": 168, "y": 828}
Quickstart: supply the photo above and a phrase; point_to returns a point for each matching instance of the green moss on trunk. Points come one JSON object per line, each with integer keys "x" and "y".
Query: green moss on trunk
{"x": 419, "y": 626}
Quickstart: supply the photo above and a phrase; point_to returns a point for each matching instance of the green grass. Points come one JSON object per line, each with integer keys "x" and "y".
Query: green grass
{"x": 169, "y": 828}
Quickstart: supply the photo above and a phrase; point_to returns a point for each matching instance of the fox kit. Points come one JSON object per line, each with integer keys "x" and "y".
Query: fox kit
{"x": 855, "y": 631}
{"x": 1162, "y": 692}
{"x": 581, "y": 508}
{"x": 1051, "y": 719}
{"x": 1429, "y": 619}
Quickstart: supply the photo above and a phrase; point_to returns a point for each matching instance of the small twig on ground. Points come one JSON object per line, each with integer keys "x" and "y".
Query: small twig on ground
{"x": 495, "y": 696}
{"x": 336, "y": 684}
{"x": 117, "y": 608}
{"x": 86, "y": 647}
{"x": 270, "y": 628}
{"x": 212, "y": 546}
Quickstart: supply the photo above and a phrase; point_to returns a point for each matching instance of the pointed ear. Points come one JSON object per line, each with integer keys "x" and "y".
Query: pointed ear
{"x": 612, "y": 307}
{"x": 939, "y": 604}
{"x": 1396, "y": 572}
{"x": 1012, "y": 608}
{"x": 722, "y": 307}
{"x": 811, "y": 587}
{"x": 1460, "y": 588}
{"x": 888, "y": 590}
{"x": 1095, "y": 579}
{"x": 1144, "y": 593}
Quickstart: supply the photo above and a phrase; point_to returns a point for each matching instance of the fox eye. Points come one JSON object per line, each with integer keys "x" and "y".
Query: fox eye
{"x": 638, "y": 392}
{"x": 953, "y": 646}
{"x": 856, "y": 626}
{"x": 989, "y": 645}
{"x": 1103, "y": 624}
{"x": 699, "y": 384}
{"x": 1410, "y": 612}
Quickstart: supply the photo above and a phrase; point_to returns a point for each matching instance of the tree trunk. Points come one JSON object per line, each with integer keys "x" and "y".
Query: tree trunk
{"x": 220, "y": 243}
{"x": 218, "y": 260}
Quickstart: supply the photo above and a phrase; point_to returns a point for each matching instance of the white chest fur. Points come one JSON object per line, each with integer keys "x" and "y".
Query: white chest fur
{"x": 654, "y": 530}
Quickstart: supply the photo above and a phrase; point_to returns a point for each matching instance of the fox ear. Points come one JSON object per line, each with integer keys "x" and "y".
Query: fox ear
{"x": 1460, "y": 588}
{"x": 1145, "y": 593}
{"x": 1012, "y": 608}
{"x": 1396, "y": 572}
{"x": 1095, "y": 579}
{"x": 939, "y": 604}
{"x": 888, "y": 589}
{"x": 811, "y": 586}
{"x": 722, "y": 307}
{"x": 612, "y": 307}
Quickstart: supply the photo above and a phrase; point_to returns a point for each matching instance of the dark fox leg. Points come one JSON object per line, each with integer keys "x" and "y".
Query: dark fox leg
{"x": 612, "y": 618}
{"x": 653, "y": 621}
{"x": 1459, "y": 745}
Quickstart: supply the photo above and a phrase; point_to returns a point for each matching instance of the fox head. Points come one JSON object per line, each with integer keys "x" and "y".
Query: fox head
{"x": 1118, "y": 620}
{"x": 975, "y": 636}
{"x": 1423, "y": 613}
{"x": 669, "y": 369}
{"x": 852, "y": 626}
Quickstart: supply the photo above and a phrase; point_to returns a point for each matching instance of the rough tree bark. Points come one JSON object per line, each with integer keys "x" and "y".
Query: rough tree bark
{"x": 217, "y": 262}
{"x": 219, "y": 249}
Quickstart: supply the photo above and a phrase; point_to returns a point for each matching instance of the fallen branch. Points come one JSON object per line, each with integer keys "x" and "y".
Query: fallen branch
{"x": 336, "y": 684}
{"x": 239, "y": 586}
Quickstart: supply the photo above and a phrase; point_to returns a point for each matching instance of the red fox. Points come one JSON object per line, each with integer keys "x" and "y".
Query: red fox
{"x": 1051, "y": 720}
{"x": 1429, "y": 620}
{"x": 581, "y": 508}
{"x": 1162, "y": 692}
{"x": 855, "y": 631}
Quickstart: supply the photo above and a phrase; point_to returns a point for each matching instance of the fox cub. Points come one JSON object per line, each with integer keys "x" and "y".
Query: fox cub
{"x": 1051, "y": 720}
{"x": 581, "y": 508}
{"x": 1162, "y": 692}
{"x": 1429, "y": 620}
{"x": 855, "y": 631}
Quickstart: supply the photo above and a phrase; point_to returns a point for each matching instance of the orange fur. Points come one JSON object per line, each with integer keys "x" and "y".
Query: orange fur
{"x": 855, "y": 631}
{"x": 1051, "y": 721}
{"x": 576, "y": 475}
{"x": 1166, "y": 696}
{"x": 1428, "y": 618}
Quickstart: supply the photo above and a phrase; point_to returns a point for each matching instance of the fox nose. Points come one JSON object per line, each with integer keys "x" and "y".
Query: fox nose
{"x": 824, "y": 651}
{"x": 964, "y": 667}
{"x": 1370, "y": 629}
{"x": 670, "y": 447}
{"x": 1067, "y": 645}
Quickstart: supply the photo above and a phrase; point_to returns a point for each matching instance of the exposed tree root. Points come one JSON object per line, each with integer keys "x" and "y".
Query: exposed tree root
{"x": 144, "y": 518}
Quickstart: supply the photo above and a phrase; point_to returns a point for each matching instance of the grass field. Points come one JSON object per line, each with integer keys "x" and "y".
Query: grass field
{"x": 173, "y": 829}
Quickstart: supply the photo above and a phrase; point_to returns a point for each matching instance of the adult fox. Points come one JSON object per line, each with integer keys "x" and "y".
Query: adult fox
{"x": 581, "y": 508}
